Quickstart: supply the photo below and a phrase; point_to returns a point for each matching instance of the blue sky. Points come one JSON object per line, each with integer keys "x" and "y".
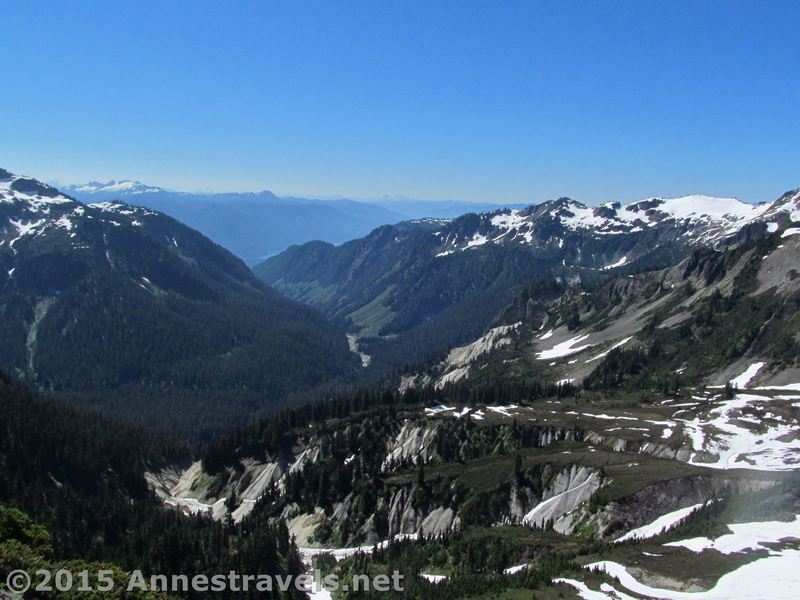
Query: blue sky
{"x": 499, "y": 101}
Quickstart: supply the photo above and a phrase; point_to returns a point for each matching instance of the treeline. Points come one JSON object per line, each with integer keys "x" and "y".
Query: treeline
{"x": 273, "y": 432}
{"x": 474, "y": 558}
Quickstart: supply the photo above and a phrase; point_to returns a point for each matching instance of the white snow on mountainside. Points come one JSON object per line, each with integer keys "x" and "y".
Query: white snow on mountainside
{"x": 33, "y": 209}
{"x": 125, "y": 186}
{"x": 697, "y": 218}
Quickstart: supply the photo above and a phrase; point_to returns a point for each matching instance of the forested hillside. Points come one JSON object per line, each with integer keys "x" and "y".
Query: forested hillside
{"x": 81, "y": 476}
{"x": 130, "y": 311}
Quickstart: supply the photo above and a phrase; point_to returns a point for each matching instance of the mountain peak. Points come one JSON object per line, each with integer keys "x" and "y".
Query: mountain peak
{"x": 695, "y": 219}
{"x": 114, "y": 186}
{"x": 19, "y": 188}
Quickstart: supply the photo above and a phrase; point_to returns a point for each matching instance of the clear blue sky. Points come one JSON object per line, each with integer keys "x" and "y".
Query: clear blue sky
{"x": 503, "y": 101}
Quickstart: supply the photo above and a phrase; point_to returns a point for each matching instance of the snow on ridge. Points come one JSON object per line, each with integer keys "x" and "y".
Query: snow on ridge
{"x": 65, "y": 223}
{"x": 36, "y": 201}
{"x": 120, "y": 208}
{"x": 109, "y": 206}
{"x": 714, "y": 218}
{"x": 24, "y": 228}
{"x": 700, "y": 206}
{"x": 509, "y": 220}
{"x": 125, "y": 186}
{"x": 580, "y": 216}
{"x": 477, "y": 240}
{"x": 693, "y": 208}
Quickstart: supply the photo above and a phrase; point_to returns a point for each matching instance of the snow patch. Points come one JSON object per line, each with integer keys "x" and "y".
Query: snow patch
{"x": 619, "y": 263}
{"x": 745, "y": 536}
{"x": 564, "y": 348}
{"x": 776, "y": 577}
{"x": 660, "y": 525}
{"x": 615, "y": 346}
{"x": 790, "y": 231}
{"x": 742, "y": 380}
{"x": 769, "y": 447}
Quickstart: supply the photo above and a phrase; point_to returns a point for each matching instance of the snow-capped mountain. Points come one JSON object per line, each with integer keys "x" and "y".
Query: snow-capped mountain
{"x": 564, "y": 331}
{"x": 694, "y": 219}
{"x": 124, "y": 187}
{"x": 33, "y": 211}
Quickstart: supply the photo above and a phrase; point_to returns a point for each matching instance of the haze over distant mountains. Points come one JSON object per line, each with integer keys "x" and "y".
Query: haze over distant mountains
{"x": 256, "y": 225}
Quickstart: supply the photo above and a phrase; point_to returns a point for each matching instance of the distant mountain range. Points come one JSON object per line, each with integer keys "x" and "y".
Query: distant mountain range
{"x": 257, "y": 225}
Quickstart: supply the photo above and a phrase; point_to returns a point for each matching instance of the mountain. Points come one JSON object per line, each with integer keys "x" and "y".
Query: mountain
{"x": 619, "y": 417}
{"x": 419, "y": 287}
{"x": 113, "y": 189}
{"x": 251, "y": 225}
{"x": 257, "y": 225}
{"x": 714, "y": 315}
{"x": 128, "y": 309}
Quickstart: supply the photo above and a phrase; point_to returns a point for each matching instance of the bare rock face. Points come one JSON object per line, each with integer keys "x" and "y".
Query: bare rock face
{"x": 439, "y": 521}
{"x": 413, "y": 442}
{"x": 571, "y": 488}
{"x": 404, "y": 518}
{"x": 655, "y": 501}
